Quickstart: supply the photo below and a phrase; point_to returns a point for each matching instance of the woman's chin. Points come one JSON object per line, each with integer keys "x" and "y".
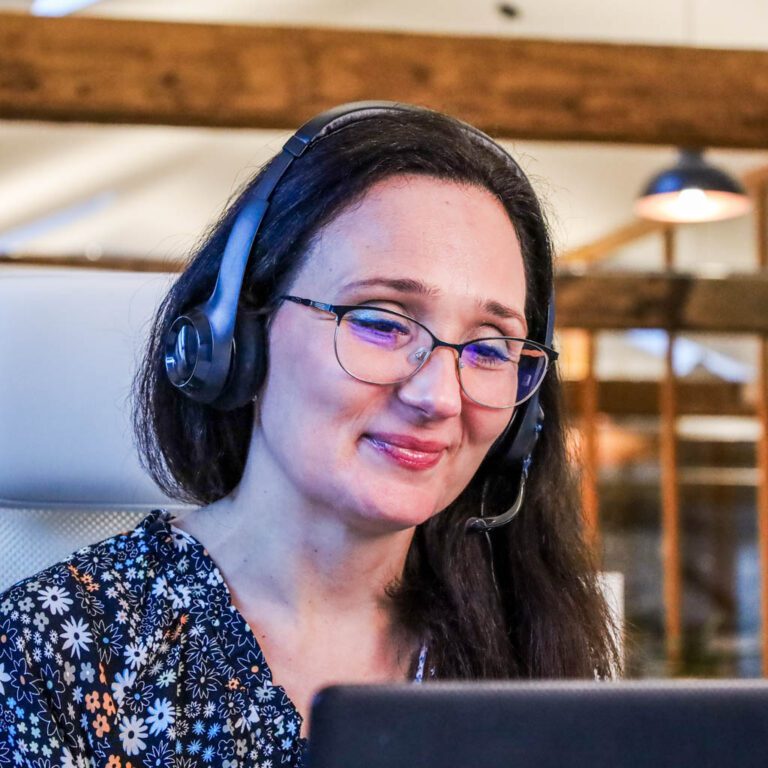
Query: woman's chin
{"x": 396, "y": 512}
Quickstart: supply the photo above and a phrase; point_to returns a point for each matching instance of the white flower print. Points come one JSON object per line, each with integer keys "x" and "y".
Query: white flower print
{"x": 69, "y": 673}
{"x": 108, "y": 640}
{"x": 265, "y": 692}
{"x": 40, "y": 621}
{"x": 4, "y": 678}
{"x": 160, "y": 587}
{"x": 26, "y": 604}
{"x": 161, "y": 715}
{"x": 77, "y": 636}
{"x": 166, "y": 678}
{"x": 181, "y": 597}
{"x": 160, "y": 756}
{"x": 135, "y": 655}
{"x": 132, "y": 734}
{"x": 123, "y": 680}
{"x": 180, "y": 541}
{"x": 55, "y": 599}
{"x": 138, "y": 698}
{"x": 69, "y": 760}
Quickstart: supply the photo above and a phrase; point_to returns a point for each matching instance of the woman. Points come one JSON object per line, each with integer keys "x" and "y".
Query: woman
{"x": 338, "y": 463}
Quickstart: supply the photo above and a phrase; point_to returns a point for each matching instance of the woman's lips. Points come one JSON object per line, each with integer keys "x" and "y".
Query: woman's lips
{"x": 407, "y": 451}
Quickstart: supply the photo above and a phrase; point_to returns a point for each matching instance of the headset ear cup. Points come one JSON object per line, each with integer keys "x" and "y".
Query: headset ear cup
{"x": 249, "y": 362}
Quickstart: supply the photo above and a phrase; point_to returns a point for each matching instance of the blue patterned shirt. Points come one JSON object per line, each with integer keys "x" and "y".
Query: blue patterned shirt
{"x": 131, "y": 653}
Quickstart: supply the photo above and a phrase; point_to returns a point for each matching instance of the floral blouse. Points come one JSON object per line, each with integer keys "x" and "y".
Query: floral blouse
{"x": 131, "y": 653}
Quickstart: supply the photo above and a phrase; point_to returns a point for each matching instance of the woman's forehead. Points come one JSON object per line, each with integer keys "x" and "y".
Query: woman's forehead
{"x": 447, "y": 239}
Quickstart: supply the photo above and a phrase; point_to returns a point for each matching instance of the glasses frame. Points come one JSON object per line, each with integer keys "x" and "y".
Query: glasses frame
{"x": 339, "y": 310}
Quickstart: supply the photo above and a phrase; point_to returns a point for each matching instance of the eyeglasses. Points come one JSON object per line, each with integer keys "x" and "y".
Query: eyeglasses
{"x": 379, "y": 346}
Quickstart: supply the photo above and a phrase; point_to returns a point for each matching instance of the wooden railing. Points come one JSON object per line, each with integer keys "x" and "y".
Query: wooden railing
{"x": 669, "y": 410}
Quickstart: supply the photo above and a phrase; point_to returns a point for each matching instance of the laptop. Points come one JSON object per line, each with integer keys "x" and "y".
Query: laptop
{"x": 636, "y": 724}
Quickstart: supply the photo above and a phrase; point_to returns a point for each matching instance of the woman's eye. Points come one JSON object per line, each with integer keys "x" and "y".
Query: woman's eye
{"x": 488, "y": 353}
{"x": 378, "y": 327}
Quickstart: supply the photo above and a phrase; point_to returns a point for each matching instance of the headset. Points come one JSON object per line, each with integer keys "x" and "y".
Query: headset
{"x": 216, "y": 355}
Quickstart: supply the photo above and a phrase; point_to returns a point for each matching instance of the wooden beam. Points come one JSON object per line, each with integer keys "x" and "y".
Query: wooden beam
{"x": 116, "y": 71}
{"x": 618, "y": 300}
{"x": 107, "y": 263}
{"x": 641, "y": 398}
{"x": 606, "y": 246}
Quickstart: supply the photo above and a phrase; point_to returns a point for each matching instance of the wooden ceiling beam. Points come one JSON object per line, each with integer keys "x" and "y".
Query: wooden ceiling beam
{"x": 116, "y": 71}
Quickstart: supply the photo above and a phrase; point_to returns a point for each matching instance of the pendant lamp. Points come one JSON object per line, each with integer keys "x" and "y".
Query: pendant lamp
{"x": 692, "y": 191}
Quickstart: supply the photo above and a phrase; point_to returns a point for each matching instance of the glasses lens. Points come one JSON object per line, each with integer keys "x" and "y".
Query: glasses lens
{"x": 502, "y": 372}
{"x": 379, "y": 346}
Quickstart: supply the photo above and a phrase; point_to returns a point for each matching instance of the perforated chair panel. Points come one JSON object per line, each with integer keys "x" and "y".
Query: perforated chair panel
{"x": 33, "y": 539}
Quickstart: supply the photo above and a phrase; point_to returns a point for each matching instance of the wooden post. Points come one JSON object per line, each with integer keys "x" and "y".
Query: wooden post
{"x": 589, "y": 410}
{"x": 761, "y": 221}
{"x": 670, "y": 497}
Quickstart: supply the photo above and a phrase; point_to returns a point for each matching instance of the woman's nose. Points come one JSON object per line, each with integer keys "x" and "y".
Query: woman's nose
{"x": 435, "y": 388}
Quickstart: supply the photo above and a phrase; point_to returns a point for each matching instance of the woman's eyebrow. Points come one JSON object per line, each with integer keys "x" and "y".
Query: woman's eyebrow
{"x": 503, "y": 311}
{"x": 402, "y": 284}
{"x": 411, "y": 285}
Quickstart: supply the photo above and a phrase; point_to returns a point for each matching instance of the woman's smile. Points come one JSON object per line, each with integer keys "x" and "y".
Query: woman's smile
{"x": 407, "y": 451}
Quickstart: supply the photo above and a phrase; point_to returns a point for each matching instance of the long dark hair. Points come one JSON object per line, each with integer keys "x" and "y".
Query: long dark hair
{"x": 547, "y": 618}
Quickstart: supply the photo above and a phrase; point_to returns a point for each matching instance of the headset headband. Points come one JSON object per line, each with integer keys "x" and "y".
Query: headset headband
{"x": 199, "y": 344}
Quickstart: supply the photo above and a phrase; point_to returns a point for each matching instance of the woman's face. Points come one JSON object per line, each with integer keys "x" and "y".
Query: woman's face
{"x": 389, "y": 457}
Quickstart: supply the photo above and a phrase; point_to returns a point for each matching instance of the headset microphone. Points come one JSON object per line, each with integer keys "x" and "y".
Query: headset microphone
{"x": 523, "y": 431}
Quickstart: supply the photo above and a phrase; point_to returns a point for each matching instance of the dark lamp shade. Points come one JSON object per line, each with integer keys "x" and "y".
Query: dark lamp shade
{"x": 692, "y": 191}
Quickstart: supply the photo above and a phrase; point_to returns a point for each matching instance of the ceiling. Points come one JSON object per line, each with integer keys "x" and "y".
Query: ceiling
{"x": 738, "y": 24}
{"x": 150, "y": 191}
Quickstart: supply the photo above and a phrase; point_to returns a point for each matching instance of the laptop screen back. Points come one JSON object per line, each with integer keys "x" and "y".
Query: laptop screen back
{"x": 649, "y": 724}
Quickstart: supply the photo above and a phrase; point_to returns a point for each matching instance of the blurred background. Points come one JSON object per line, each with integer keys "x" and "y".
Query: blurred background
{"x": 662, "y": 325}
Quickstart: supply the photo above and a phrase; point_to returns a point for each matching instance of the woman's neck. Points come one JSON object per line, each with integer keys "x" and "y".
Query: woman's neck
{"x": 302, "y": 569}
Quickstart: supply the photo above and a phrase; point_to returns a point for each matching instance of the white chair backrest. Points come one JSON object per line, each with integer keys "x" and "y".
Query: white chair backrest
{"x": 70, "y": 342}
